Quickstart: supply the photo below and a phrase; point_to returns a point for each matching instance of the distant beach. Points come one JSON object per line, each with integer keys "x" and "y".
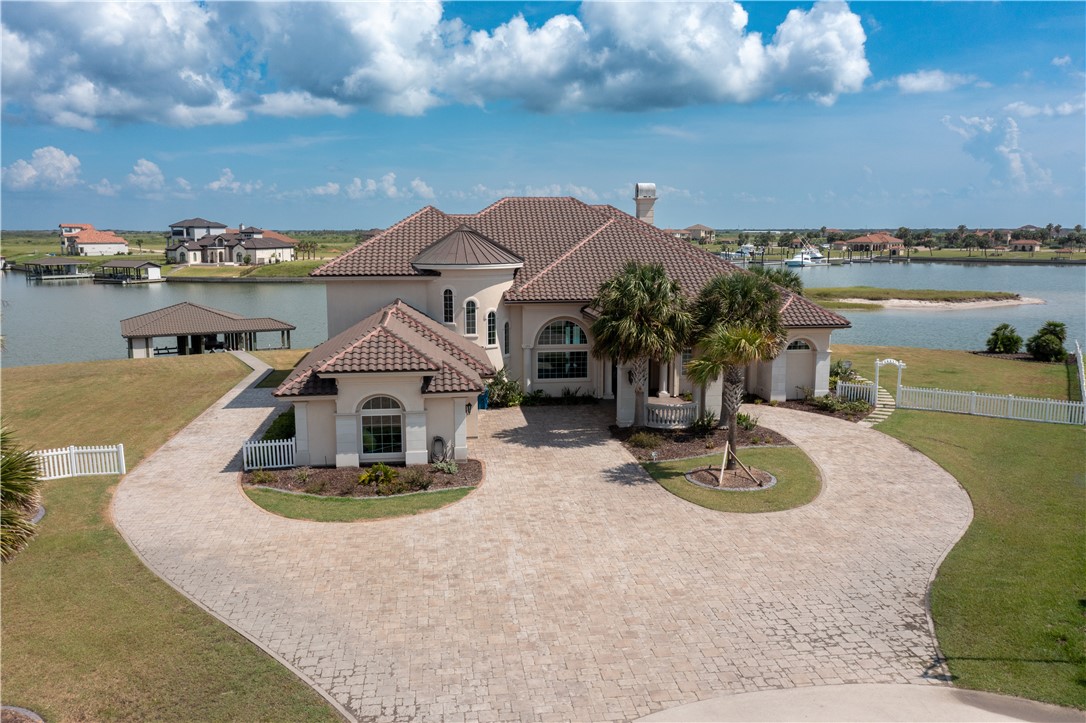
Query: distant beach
{"x": 944, "y": 305}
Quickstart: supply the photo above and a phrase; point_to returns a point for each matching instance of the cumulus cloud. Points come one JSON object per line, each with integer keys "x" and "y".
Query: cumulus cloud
{"x": 189, "y": 64}
{"x": 998, "y": 144}
{"x": 328, "y": 189}
{"x": 105, "y": 188}
{"x": 228, "y": 184}
{"x": 1062, "y": 61}
{"x": 929, "y": 81}
{"x": 146, "y": 176}
{"x": 48, "y": 168}
{"x": 386, "y": 187}
{"x": 1026, "y": 110}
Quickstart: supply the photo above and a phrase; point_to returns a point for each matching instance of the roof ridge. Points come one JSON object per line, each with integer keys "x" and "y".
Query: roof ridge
{"x": 374, "y": 239}
{"x": 566, "y": 255}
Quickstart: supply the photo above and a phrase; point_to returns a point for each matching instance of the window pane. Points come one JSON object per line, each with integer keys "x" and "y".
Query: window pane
{"x": 381, "y": 403}
{"x": 469, "y": 318}
{"x": 506, "y": 340}
{"x": 382, "y": 434}
{"x": 563, "y": 365}
{"x": 562, "y": 332}
{"x": 491, "y": 328}
{"x": 449, "y": 309}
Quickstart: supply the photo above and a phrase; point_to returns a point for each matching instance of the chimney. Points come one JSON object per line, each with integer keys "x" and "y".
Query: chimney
{"x": 645, "y": 198}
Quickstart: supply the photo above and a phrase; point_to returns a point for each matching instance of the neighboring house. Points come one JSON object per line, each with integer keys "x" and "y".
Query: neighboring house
{"x": 423, "y": 313}
{"x": 217, "y": 244}
{"x": 82, "y": 239}
{"x": 874, "y": 243}
{"x": 701, "y": 232}
{"x": 679, "y": 233}
{"x": 1028, "y": 245}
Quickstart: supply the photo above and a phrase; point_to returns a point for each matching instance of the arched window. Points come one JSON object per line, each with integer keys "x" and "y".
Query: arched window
{"x": 181, "y": 257}
{"x": 469, "y": 318}
{"x": 238, "y": 257}
{"x": 563, "y": 351}
{"x": 491, "y": 329}
{"x": 506, "y": 338}
{"x": 798, "y": 344}
{"x": 448, "y": 310}
{"x": 382, "y": 427}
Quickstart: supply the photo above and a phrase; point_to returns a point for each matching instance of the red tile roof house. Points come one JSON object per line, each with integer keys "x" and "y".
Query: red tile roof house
{"x": 83, "y": 239}
{"x": 199, "y": 241}
{"x": 424, "y": 313}
{"x": 882, "y": 243}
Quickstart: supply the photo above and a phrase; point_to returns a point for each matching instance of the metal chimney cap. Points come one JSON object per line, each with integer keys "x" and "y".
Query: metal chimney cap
{"x": 645, "y": 190}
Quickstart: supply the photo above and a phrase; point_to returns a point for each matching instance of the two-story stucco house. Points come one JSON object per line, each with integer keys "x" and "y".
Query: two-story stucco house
{"x": 423, "y": 313}
{"x": 83, "y": 239}
{"x": 199, "y": 241}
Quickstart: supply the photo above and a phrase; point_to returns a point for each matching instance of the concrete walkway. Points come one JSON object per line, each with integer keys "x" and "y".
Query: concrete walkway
{"x": 569, "y": 586}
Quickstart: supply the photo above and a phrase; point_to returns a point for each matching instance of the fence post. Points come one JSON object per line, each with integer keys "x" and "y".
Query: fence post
{"x": 972, "y": 402}
{"x": 120, "y": 459}
{"x": 73, "y": 470}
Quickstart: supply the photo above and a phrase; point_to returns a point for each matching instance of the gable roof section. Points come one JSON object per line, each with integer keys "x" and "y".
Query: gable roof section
{"x": 465, "y": 247}
{"x": 94, "y": 236}
{"x": 568, "y": 249}
{"x": 199, "y": 222}
{"x": 397, "y": 338}
{"x": 187, "y": 318}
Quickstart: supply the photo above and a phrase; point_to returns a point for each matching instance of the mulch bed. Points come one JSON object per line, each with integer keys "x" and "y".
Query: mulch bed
{"x": 806, "y": 407}
{"x": 735, "y": 479}
{"x": 681, "y": 443}
{"x": 343, "y": 481}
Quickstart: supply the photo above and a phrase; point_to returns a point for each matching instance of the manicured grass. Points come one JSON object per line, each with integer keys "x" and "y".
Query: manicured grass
{"x": 798, "y": 481}
{"x": 222, "y": 272}
{"x": 957, "y": 370}
{"x": 879, "y": 294}
{"x": 347, "y": 509}
{"x": 88, "y": 632}
{"x": 282, "y": 361}
{"x": 1010, "y": 599}
{"x": 286, "y": 268}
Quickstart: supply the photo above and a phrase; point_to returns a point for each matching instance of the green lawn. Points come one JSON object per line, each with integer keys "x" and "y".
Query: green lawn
{"x": 284, "y": 269}
{"x": 798, "y": 481}
{"x": 1010, "y": 599}
{"x": 346, "y": 509}
{"x": 958, "y": 370}
{"x": 282, "y": 361}
{"x": 88, "y": 632}
{"x": 832, "y": 295}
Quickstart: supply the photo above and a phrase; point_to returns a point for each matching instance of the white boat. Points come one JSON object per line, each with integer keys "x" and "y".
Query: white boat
{"x": 807, "y": 256}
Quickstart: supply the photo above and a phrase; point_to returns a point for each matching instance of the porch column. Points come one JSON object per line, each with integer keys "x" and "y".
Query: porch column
{"x": 608, "y": 387}
{"x": 415, "y": 442}
{"x": 347, "y": 440}
{"x": 526, "y": 377}
{"x": 461, "y": 407}
{"x": 713, "y": 392}
{"x": 665, "y": 376}
{"x": 822, "y": 373}
{"x": 624, "y": 398}
{"x": 301, "y": 434}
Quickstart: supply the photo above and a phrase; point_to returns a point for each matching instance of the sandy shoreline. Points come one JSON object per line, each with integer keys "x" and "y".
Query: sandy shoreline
{"x": 943, "y": 305}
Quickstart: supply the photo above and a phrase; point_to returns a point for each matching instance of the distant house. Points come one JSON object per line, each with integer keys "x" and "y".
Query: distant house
{"x": 1029, "y": 245}
{"x": 700, "y": 232}
{"x": 680, "y": 233}
{"x": 198, "y": 241}
{"x": 82, "y": 239}
{"x": 873, "y": 243}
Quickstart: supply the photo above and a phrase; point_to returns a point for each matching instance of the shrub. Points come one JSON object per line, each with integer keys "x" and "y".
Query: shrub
{"x": 645, "y": 440}
{"x": 1047, "y": 343}
{"x": 301, "y": 475}
{"x": 704, "y": 424}
{"x": 262, "y": 477}
{"x": 315, "y": 487}
{"x": 448, "y": 467}
{"x": 534, "y": 399}
{"x": 504, "y": 392}
{"x": 382, "y": 478}
{"x": 282, "y": 427}
{"x": 833, "y": 403}
{"x": 1004, "y": 340}
{"x": 415, "y": 479}
{"x": 746, "y": 422}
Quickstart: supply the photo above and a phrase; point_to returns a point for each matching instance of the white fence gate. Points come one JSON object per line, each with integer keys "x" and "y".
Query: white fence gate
{"x": 80, "y": 461}
{"x": 858, "y": 390}
{"x": 1029, "y": 409}
{"x": 272, "y": 454}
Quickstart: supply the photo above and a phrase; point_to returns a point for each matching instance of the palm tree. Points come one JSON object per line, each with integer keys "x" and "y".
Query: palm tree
{"x": 781, "y": 277}
{"x": 739, "y": 322}
{"x": 643, "y": 316}
{"x": 19, "y": 495}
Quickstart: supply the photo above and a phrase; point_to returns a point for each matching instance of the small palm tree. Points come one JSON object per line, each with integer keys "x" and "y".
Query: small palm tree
{"x": 643, "y": 316}
{"x": 19, "y": 495}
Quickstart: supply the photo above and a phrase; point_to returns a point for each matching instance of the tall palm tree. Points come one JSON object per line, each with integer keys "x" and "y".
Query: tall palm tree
{"x": 643, "y": 316}
{"x": 19, "y": 495}
{"x": 781, "y": 277}
{"x": 738, "y": 323}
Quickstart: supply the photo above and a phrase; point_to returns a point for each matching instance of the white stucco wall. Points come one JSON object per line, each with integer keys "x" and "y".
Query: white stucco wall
{"x": 349, "y": 302}
{"x": 101, "y": 249}
{"x": 771, "y": 381}
{"x": 533, "y": 318}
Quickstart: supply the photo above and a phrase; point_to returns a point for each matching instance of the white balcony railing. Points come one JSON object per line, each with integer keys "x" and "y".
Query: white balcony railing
{"x": 670, "y": 413}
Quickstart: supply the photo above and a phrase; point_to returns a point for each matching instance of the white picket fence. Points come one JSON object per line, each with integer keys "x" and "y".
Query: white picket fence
{"x": 858, "y": 390}
{"x": 79, "y": 461}
{"x": 1006, "y": 406}
{"x": 273, "y": 454}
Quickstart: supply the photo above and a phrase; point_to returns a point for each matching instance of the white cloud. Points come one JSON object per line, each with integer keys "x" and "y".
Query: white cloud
{"x": 48, "y": 167}
{"x": 298, "y": 104}
{"x": 1062, "y": 61}
{"x": 105, "y": 188}
{"x": 228, "y": 184}
{"x": 386, "y": 187}
{"x": 357, "y": 189}
{"x": 930, "y": 81}
{"x": 183, "y": 184}
{"x": 1026, "y": 110}
{"x": 146, "y": 176}
{"x": 998, "y": 144}
{"x": 419, "y": 189}
{"x": 328, "y": 189}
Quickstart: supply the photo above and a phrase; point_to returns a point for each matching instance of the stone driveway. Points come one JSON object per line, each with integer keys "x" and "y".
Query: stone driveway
{"x": 569, "y": 586}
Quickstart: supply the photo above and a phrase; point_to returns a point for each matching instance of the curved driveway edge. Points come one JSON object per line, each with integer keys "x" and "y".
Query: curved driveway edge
{"x": 570, "y": 586}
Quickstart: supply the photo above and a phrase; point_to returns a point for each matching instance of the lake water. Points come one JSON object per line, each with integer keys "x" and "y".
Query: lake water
{"x": 80, "y": 321}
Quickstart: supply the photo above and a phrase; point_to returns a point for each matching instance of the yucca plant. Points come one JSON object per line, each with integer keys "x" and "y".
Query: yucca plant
{"x": 19, "y": 495}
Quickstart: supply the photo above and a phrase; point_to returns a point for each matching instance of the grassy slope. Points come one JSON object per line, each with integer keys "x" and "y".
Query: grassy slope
{"x": 344, "y": 509}
{"x": 88, "y": 632}
{"x": 797, "y": 481}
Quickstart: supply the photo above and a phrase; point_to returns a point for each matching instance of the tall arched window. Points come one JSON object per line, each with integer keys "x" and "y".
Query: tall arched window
{"x": 469, "y": 318}
{"x": 562, "y": 351}
{"x": 506, "y": 338}
{"x": 491, "y": 329}
{"x": 381, "y": 422}
{"x": 448, "y": 308}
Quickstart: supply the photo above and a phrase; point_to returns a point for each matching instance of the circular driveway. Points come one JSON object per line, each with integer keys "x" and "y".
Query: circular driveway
{"x": 569, "y": 586}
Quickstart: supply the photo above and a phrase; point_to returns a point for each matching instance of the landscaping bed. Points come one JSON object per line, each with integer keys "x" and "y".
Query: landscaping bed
{"x": 810, "y": 406}
{"x": 343, "y": 481}
{"x": 681, "y": 443}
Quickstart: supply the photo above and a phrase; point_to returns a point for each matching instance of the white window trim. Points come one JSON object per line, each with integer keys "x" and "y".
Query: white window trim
{"x": 486, "y": 320}
{"x": 452, "y": 292}
{"x": 362, "y": 413}
{"x": 471, "y": 334}
{"x": 560, "y": 348}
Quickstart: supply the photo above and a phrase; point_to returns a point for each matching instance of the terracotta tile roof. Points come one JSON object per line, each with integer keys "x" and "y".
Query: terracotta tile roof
{"x": 186, "y": 319}
{"x": 568, "y": 248}
{"x": 94, "y": 236}
{"x": 465, "y": 247}
{"x": 397, "y": 338}
{"x": 876, "y": 238}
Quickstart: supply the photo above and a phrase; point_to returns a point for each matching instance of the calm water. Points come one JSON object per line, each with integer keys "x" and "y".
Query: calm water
{"x": 80, "y": 321}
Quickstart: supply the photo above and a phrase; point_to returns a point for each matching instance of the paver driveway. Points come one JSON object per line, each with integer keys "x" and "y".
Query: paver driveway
{"x": 569, "y": 586}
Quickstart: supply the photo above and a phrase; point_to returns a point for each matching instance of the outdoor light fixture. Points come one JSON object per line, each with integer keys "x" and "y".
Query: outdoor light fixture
{"x": 467, "y": 408}
{"x": 629, "y": 375}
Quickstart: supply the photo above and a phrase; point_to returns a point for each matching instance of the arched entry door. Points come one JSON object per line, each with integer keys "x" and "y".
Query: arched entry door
{"x": 800, "y": 375}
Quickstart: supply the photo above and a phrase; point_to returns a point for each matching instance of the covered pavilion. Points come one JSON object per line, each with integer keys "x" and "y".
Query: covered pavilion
{"x": 197, "y": 329}
{"x": 129, "y": 271}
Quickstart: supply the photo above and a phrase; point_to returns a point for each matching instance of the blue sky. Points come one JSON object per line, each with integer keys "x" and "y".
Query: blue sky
{"x": 354, "y": 115}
